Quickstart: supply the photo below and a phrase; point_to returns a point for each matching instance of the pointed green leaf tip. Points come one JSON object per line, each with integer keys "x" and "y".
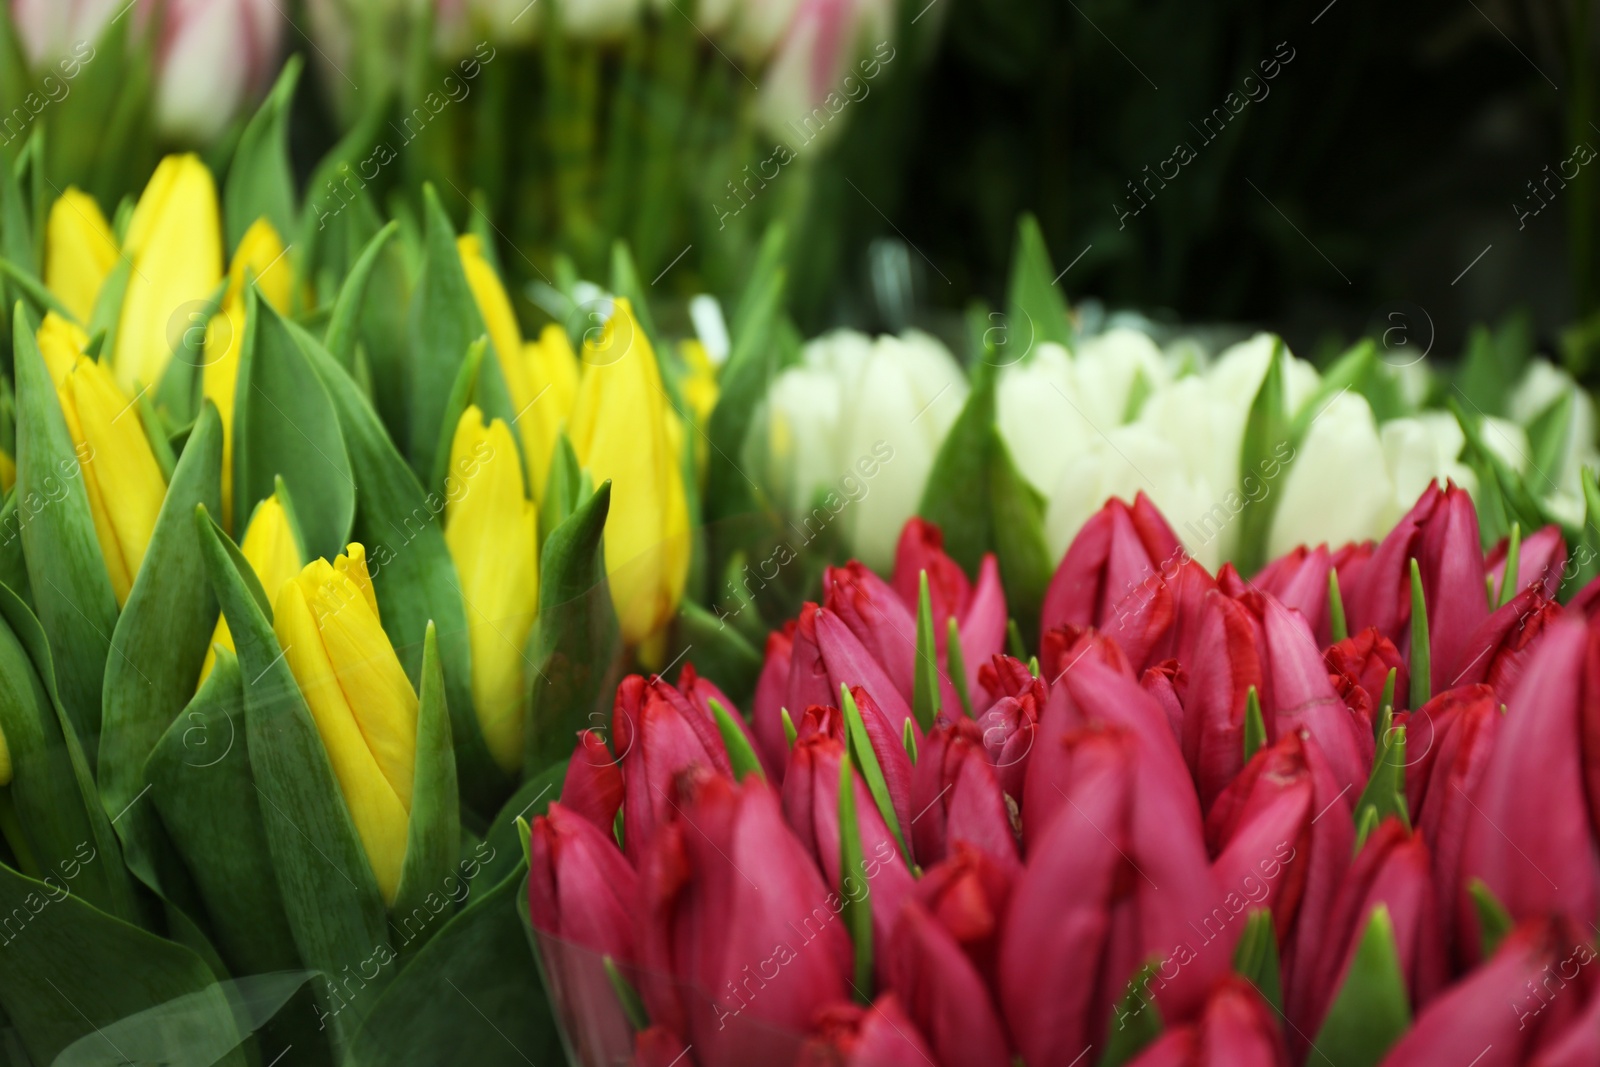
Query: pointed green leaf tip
{"x": 1384, "y": 794}
{"x": 789, "y": 732}
{"x": 740, "y": 754}
{"x": 1135, "y": 1018}
{"x": 861, "y": 748}
{"x": 1336, "y": 620}
{"x": 1255, "y": 727}
{"x": 958, "y": 667}
{"x": 1371, "y": 1009}
{"x": 908, "y": 738}
{"x": 853, "y": 888}
{"x": 627, "y": 996}
{"x": 925, "y": 680}
{"x": 1256, "y": 957}
{"x": 1494, "y": 922}
{"x": 1508, "y": 582}
{"x": 1421, "y": 657}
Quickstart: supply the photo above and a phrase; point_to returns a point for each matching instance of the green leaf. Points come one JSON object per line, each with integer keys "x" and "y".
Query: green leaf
{"x": 157, "y": 648}
{"x": 1421, "y": 650}
{"x": 329, "y": 892}
{"x": 200, "y": 779}
{"x": 740, "y": 754}
{"x": 177, "y": 394}
{"x": 1587, "y": 555}
{"x": 433, "y": 838}
{"x": 444, "y": 321}
{"x": 461, "y": 392}
{"x": 1495, "y": 362}
{"x": 958, "y": 666}
{"x": 789, "y": 732}
{"x": 43, "y": 300}
{"x": 1371, "y": 1010}
{"x": 960, "y": 476}
{"x": 871, "y": 771}
{"x": 1267, "y": 430}
{"x": 1336, "y": 619}
{"x": 531, "y": 800}
{"x": 71, "y": 589}
{"x": 345, "y": 322}
{"x": 1494, "y": 921}
{"x": 1031, "y": 296}
{"x": 1255, "y": 727}
{"x": 627, "y": 996}
{"x": 1256, "y": 957}
{"x": 721, "y": 651}
{"x": 576, "y": 641}
{"x": 908, "y": 739}
{"x": 1547, "y": 436}
{"x": 1135, "y": 1019}
{"x": 563, "y": 489}
{"x": 1508, "y": 580}
{"x": 75, "y": 973}
{"x": 925, "y": 679}
{"x": 857, "y": 911}
{"x": 1389, "y": 682}
{"x": 1017, "y": 512}
{"x": 261, "y": 178}
{"x": 476, "y": 970}
{"x": 625, "y": 283}
{"x": 1385, "y": 792}
{"x": 285, "y": 426}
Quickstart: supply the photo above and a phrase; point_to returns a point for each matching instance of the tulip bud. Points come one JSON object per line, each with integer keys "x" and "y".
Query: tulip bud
{"x": 552, "y": 376}
{"x": 1118, "y": 552}
{"x": 1299, "y": 581}
{"x": 772, "y": 690}
{"x": 943, "y": 992}
{"x": 740, "y": 939}
{"x": 273, "y": 552}
{"x": 363, "y": 705}
{"x": 491, "y": 528}
{"x": 621, "y": 429}
{"x": 593, "y": 786}
{"x": 505, "y": 335}
{"x": 175, "y": 241}
{"x": 120, "y": 472}
{"x": 259, "y": 258}
{"x": 968, "y": 893}
{"x": 1497, "y": 651}
{"x": 583, "y": 893}
{"x": 877, "y": 616}
{"x": 50, "y": 28}
{"x": 958, "y": 799}
{"x": 848, "y": 1035}
{"x": 1236, "y": 1028}
{"x": 658, "y": 737}
{"x": 1009, "y": 722}
{"x": 79, "y": 251}
{"x": 1359, "y": 669}
{"x": 214, "y": 57}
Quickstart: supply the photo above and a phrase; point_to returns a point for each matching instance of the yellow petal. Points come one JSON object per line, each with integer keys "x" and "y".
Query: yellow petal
{"x": 260, "y": 255}
{"x": 219, "y": 379}
{"x": 272, "y": 552}
{"x": 491, "y": 530}
{"x": 623, "y": 429}
{"x": 61, "y": 343}
{"x": 79, "y": 251}
{"x": 335, "y": 650}
{"x": 498, "y": 317}
{"x": 553, "y": 374}
{"x": 175, "y": 241}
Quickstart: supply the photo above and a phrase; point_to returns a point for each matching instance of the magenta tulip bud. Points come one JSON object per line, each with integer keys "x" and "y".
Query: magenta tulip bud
{"x": 772, "y": 693}
{"x": 880, "y": 1035}
{"x": 1236, "y": 1028}
{"x": 956, "y": 797}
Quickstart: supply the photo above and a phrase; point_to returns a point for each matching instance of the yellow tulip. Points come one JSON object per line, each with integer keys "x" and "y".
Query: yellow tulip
{"x": 175, "y": 241}
{"x": 700, "y": 392}
{"x": 269, "y": 546}
{"x": 498, "y": 317}
{"x": 553, "y": 373}
{"x": 260, "y": 256}
{"x": 491, "y": 528}
{"x": 365, "y": 710}
{"x": 120, "y": 472}
{"x": 623, "y": 428}
{"x": 79, "y": 251}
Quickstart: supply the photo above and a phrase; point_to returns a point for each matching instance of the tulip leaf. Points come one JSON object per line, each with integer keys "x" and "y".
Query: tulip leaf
{"x": 720, "y": 651}
{"x": 531, "y": 800}
{"x": 577, "y": 639}
{"x": 960, "y": 478}
{"x": 444, "y": 322}
{"x": 1337, "y": 626}
{"x": 1032, "y": 298}
{"x": 74, "y": 973}
{"x": 1255, "y": 727}
{"x": 330, "y": 894}
{"x": 1389, "y": 682}
{"x": 67, "y": 839}
{"x": 1017, "y": 514}
{"x": 1135, "y": 1018}
{"x": 157, "y": 649}
{"x": 908, "y": 738}
{"x": 285, "y": 426}
{"x": 338, "y": 173}
{"x": 925, "y": 679}
{"x": 41, "y": 298}
{"x": 1548, "y": 434}
{"x": 1516, "y": 501}
{"x": 958, "y": 666}
{"x": 563, "y": 487}
{"x": 1508, "y": 579}
{"x": 260, "y": 181}
{"x": 740, "y": 754}
{"x": 412, "y": 573}
{"x": 1421, "y": 650}
{"x": 461, "y": 394}
{"x": 433, "y": 837}
{"x": 627, "y": 996}
{"x": 1267, "y": 431}
{"x": 199, "y": 773}
{"x": 857, "y": 911}
{"x": 789, "y": 732}
{"x": 1255, "y": 958}
{"x": 1385, "y": 791}
{"x": 177, "y": 395}
{"x": 345, "y": 322}
{"x": 13, "y": 567}
{"x": 1587, "y": 552}
{"x": 71, "y": 588}
{"x": 1494, "y": 363}
{"x": 1371, "y": 1009}
{"x": 476, "y": 969}
{"x": 871, "y": 771}
{"x": 1494, "y": 921}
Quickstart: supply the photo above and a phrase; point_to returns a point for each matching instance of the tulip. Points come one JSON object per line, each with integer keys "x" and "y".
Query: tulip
{"x": 494, "y": 305}
{"x": 592, "y": 786}
{"x": 979, "y": 610}
{"x": 1543, "y": 385}
{"x": 1235, "y": 1029}
{"x": 848, "y": 436}
{"x": 1540, "y": 561}
{"x": 552, "y": 375}
{"x": 273, "y": 552}
{"x": 740, "y": 938}
{"x": 1121, "y": 554}
{"x": 79, "y": 251}
{"x": 259, "y": 258}
{"x": 582, "y": 892}
{"x": 623, "y": 430}
{"x": 943, "y": 992}
{"x": 1359, "y": 669}
{"x": 798, "y": 98}
{"x": 878, "y": 618}
{"x": 124, "y": 482}
{"x": 1011, "y": 720}
{"x": 1282, "y": 833}
{"x": 848, "y": 1035}
{"x": 363, "y": 705}
{"x": 1497, "y": 651}
{"x": 49, "y": 29}
{"x": 1299, "y": 581}
{"x": 1531, "y": 834}
{"x": 491, "y": 529}
{"x": 958, "y": 799}
{"x": 659, "y": 736}
{"x": 175, "y": 241}
{"x": 772, "y": 690}
{"x": 214, "y": 58}
{"x": 826, "y": 655}
{"x": 1525, "y": 1000}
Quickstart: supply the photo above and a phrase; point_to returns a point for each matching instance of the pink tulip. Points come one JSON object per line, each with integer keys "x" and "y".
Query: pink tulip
{"x": 879, "y": 1035}
{"x": 1541, "y": 561}
{"x": 215, "y": 57}
{"x": 1359, "y": 669}
{"x": 968, "y": 893}
{"x": 1235, "y": 1029}
{"x": 957, "y": 798}
{"x": 772, "y": 693}
{"x": 593, "y": 785}
{"x": 659, "y": 735}
{"x": 943, "y": 992}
